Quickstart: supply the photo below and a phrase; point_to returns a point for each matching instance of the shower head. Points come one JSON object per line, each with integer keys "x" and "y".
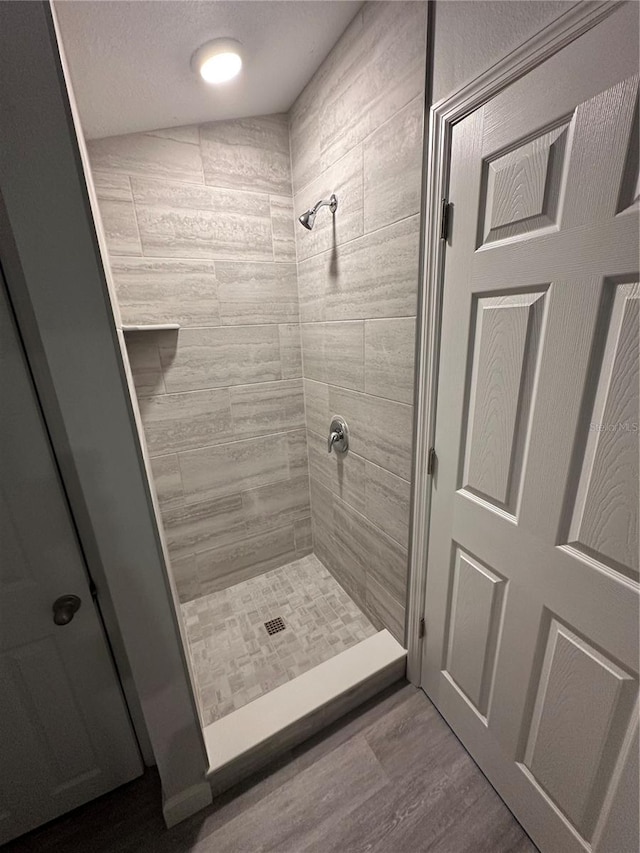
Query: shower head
{"x": 309, "y": 216}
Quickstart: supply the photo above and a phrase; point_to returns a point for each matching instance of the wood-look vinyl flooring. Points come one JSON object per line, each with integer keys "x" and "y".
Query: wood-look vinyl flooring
{"x": 390, "y": 777}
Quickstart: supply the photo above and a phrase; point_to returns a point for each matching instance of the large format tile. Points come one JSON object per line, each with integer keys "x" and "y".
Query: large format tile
{"x": 166, "y": 291}
{"x": 217, "y": 357}
{"x": 393, "y": 168}
{"x": 385, "y": 607}
{"x": 192, "y": 528}
{"x": 342, "y": 474}
{"x": 227, "y": 565}
{"x": 343, "y": 178}
{"x": 178, "y": 220}
{"x": 303, "y": 536}
{"x": 379, "y": 430}
{"x": 257, "y": 292}
{"x": 387, "y": 502}
{"x": 316, "y": 400}
{"x": 226, "y": 469}
{"x": 373, "y": 276}
{"x": 277, "y": 504}
{"x": 175, "y": 422}
{"x": 334, "y": 353}
{"x": 184, "y": 133}
{"x": 115, "y": 203}
{"x": 267, "y": 407}
{"x": 290, "y": 350}
{"x": 167, "y": 480}
{"x": 185, "y": 576}
{"x": 304, "y": 117}
{"x": 377, "y": 553}
{"x": 144, "y": 359}
{"x": 149, "y": 156}
{"x": 389, "y": 352}
{"x": 283, "y": 226}
{"x": 248, "y": 154}
{"x": 386, "y": 71}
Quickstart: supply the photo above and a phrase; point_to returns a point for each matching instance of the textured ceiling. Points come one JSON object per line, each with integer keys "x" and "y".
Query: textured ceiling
{"x": 129, "y": 59}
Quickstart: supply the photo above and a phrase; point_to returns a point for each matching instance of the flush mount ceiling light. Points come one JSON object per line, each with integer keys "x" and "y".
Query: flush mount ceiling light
{"x": 218, "y": 61}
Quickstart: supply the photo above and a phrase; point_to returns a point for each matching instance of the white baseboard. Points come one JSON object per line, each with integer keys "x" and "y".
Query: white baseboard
{"x": 183, "y": 805}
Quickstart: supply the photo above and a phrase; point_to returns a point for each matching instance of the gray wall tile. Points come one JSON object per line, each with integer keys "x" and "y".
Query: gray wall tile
{"x": 185, "y": 575}
{"x": 290, "y": 350}
{"x": 146, "y": 155}
{"x": 187, "y": 133}
{"x": 248, "y": 154}
{"x": 386, "y": 70}
{"x": 267, "y": 407}
{"x": 117, "y": 213}
{"x": 393, "y": 168}
{"x": 226, "y": 469}
{"x": 166, "y": 291}
{"x": 302, "y": 535}
{"x": 251, "y": 556}
{"x": 316, "y": 399}
{"x": 389, "y": 351}
{"x": 257, "y": 292}
{"x": 341, "y": 474}
{"x": 167, "y": 480}
{"x": 387, "y": 500}
{"x": 192, "y": 528}
{"x": 343, "y": 178}
{"x": 218, "y": 357}
{"x": 282, "y": 225}
{"x": 379, "y": 430}
{"x": 144, "y": 359}
{"x": 179, "y": 220}
{"x": 381, "y": 604}
{"x": 374, "y": 276}
{"x": 334, "y": 352}
{"x": 175, "y": 422}
{"x": 277, "y": 504}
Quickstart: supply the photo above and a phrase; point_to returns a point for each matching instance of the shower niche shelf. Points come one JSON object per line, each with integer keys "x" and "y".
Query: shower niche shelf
{"x": 150, "y": 327}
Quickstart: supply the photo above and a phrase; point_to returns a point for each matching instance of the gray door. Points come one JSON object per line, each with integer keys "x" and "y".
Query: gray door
{"x": 65, "y": 735}
{"x": 532, "y": 584}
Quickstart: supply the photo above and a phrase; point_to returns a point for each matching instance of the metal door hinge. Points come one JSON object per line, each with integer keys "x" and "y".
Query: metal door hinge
{"x": 431, "y": 460}
{"x": 93, "y": 589}
{"x": 421, "y": 628}
{"x": 445, "y": 219}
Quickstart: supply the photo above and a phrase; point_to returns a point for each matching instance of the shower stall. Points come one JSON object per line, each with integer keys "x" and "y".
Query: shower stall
{"x": 271, "y": 347}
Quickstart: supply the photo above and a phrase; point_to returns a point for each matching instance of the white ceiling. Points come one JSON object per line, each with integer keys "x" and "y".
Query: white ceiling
{"x": 129, "y": 59}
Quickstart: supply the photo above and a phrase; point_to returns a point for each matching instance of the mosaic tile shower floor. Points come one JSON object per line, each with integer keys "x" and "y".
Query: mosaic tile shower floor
{"x": 234, "y": 658}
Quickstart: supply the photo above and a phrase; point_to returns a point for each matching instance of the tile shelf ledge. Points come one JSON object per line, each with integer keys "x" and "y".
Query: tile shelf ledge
{"x": 150, "y": 327}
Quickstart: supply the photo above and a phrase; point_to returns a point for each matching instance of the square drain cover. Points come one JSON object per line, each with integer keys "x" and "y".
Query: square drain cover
{"x": 275, "y": 625}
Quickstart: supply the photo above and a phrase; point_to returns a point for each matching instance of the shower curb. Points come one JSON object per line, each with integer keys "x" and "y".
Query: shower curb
{"x": 251, "y": 737}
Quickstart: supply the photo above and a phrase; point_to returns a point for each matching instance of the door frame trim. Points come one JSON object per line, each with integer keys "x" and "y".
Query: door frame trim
{"x": 580, "y": 18}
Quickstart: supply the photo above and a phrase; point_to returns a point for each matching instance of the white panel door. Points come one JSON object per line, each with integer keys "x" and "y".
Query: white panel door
{"x": 65, "y": 735}
{"x": 531, "y": 651}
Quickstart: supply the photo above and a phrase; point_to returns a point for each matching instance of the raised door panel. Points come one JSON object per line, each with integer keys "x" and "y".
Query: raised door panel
{"x": 605, "y": 518}
{"x": 581, "y": 711}
{"x": 477, "y": 599}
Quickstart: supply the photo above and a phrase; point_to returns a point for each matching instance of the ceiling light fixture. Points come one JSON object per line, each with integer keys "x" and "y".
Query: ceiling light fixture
{"x": 218, "y": 61}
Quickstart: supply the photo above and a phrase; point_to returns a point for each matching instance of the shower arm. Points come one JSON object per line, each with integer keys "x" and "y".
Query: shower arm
{"x": 332, "y": 204}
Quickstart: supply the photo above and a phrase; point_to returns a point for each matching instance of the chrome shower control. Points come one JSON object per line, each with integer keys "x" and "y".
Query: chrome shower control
{"x": 338, "y": 435}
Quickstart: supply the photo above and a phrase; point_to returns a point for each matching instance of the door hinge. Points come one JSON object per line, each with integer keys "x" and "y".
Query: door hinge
{"x": 421, "y": 628}
{"x": 431, "y": 460}
{"x": 93, "y": 590}
{"x": 445, "y": 219}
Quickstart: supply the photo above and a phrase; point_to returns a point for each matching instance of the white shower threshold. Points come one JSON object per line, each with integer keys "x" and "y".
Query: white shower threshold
{"x": 249, "y": 738}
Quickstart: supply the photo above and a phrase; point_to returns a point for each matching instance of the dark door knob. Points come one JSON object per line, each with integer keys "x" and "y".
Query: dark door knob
{"x": 64, "y": 609}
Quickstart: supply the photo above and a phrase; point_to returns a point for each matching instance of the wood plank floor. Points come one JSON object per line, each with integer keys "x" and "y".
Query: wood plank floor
{"x": 388, "y": 778}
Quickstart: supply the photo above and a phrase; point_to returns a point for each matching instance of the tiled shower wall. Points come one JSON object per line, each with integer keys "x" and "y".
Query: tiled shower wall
{"x": 356, "y": 130}
{"x": 199, "y": 224}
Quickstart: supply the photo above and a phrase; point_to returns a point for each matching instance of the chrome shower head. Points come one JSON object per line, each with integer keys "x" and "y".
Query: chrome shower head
{"x": 309, "y": 216}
